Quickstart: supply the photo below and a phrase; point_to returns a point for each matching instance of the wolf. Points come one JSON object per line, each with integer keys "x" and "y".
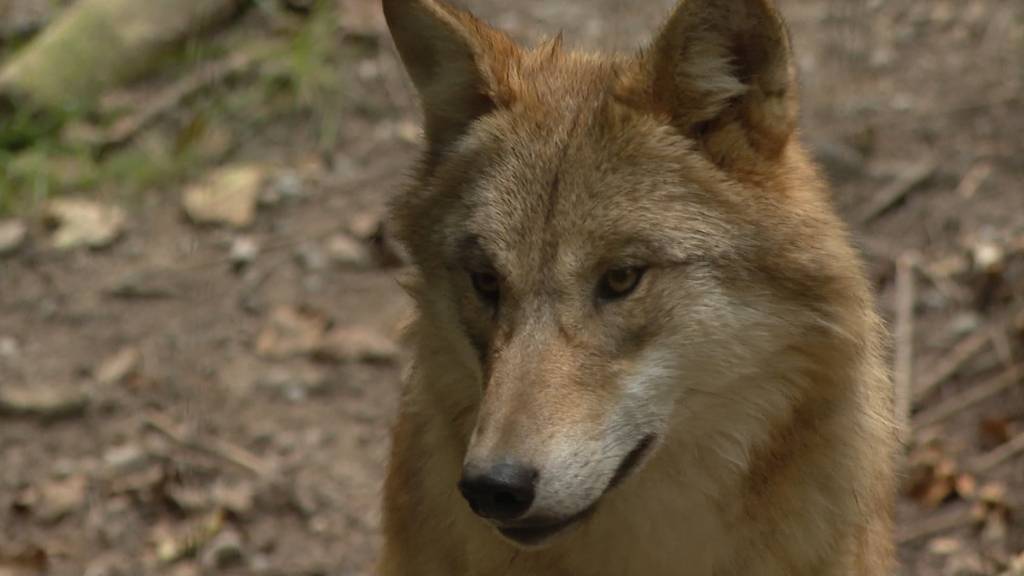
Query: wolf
{"x": 644, "y": 344}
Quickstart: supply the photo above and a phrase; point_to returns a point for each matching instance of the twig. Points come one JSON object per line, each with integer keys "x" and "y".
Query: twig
{"x": 935, "y": 525}
{"x": 126, "y": 129}
{"x": 967, "y": 398}
{"x": 973, "y": 180}
{"x": 905, "y": 298}
{"x": 897, "y": 190}
{"x": 1004, "y": 452}
{"x": 211, "y": 447}
{"x": 966, "y": 349}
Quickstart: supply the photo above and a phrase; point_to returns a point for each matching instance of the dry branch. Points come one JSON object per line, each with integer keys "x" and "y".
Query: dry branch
{"x": 903, "y": 373}
{"x": 969, "y": 397}
{"x": 97, "y": 44}
{"x": 936, "y": 525}
{"x": 214, "y": 447}
{"x": 965, "y": 350}
{"x": 1003, "y": 453}
{"x": 169, "y": 99}
{"x": 897, "y": 190}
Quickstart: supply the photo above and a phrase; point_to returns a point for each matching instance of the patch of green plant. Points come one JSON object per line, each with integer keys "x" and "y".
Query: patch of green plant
{"x": 312, "y": 71}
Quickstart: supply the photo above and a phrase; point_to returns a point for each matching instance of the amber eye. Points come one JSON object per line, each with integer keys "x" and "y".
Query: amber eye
{"x": 619, "y": 282}
{"x": 487, "y": 285}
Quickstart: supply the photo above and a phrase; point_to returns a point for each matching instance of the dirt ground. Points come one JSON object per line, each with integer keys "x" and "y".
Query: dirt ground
{"x": 177, "y": 406}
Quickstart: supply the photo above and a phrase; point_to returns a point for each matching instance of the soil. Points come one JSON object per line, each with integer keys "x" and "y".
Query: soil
{"x": 203, "y": 438}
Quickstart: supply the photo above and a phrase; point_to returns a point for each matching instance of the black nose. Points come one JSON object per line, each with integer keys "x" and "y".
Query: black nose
{"x": 504, "y": 492}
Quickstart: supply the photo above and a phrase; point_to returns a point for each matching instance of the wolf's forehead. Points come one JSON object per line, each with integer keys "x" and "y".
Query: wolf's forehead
{"x": 541, "y": 182}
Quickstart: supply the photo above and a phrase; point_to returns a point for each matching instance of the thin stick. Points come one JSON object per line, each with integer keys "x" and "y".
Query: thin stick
{"x": 967, "y": 398}
{"x": 1003, "y": 453}
{"x": 973, "y": 180}
{"x": 966, "y": 349}
{"x": 936, "y": 525}
{"x": 897, "y": 190}
{"x": 124, "y": 130}
{"x": 905, "y": 298}
{"x": 211, "y": 447}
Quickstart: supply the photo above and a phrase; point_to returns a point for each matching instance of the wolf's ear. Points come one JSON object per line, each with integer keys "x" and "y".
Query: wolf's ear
{"x": 722, "y": 70}
{"x": 460, "y": 65}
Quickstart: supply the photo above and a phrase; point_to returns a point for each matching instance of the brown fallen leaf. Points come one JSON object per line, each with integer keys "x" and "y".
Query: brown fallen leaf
{"x": 79, "y": 222}
{"x": 227, "y": 196}
{"x": 29, "y": 561}
{"x": 357, "y": 344}
{"x": 932, "y": 476}
{"x": 53, "y": 501}
{"x": 290, "y": 332}
{"x": 994, "y": 431}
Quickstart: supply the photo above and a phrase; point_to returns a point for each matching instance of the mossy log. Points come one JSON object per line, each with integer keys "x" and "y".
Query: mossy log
{"x": 98, "y": 44}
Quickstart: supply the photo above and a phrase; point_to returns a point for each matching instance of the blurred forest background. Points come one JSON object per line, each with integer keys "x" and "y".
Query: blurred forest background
{"x": 198, "y": 306}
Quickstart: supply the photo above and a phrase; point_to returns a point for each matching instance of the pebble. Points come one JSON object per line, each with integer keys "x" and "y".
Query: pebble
{"x": 244, "y": 250}
{"x": 12, "y": 236}
{"x": 223, "y": 551}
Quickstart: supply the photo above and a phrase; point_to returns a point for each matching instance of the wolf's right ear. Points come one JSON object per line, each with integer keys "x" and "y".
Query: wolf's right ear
{"x": 460, "y": 65}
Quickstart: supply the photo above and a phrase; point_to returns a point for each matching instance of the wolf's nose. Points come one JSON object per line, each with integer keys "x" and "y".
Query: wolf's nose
{"x": 504, "y": 492}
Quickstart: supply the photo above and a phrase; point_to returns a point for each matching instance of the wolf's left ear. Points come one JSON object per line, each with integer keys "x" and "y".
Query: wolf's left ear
{"x": 460, "y": 65}
{"x": 722, "y": 70}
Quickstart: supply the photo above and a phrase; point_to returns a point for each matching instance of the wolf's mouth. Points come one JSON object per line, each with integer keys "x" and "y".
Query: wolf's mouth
{"x": 537, "y": 531}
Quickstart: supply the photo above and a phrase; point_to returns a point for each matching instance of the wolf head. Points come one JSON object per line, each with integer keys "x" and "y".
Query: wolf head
{"x": 614, "y": 253}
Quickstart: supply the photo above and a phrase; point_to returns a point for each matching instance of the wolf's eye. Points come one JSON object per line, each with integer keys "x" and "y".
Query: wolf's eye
{"x": 619, "y": 282}
{"x": 486, "y": 285}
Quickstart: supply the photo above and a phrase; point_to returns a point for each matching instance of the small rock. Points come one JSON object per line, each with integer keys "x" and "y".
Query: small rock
{"x": 236, "y": 498}
{"x": 44, "y": 402}
{"x": 288, "y": 185}
{"x": 357, "y": 344}
{"x": 365, "y": 225}
{"x": 223, "y": 551}
{"x": 81, "y": 222}
{"x": 228, "y": 196}
{"x": 348, "y": 252}
{"x": 12, "y": 236}
{"x": 290, "y": 332}
{"x": 119, "y": 367}
{"x": 244, "y": 250}
{"x": 988, "y": 258}
{"x": 311, "y": 257}
{"x": 294, "y": 382}
{"x": 125, "y": 459}
{"x": 9, "y": 348}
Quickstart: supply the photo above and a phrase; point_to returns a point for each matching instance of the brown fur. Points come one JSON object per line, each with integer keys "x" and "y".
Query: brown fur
{"x": 750, "y": 348}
